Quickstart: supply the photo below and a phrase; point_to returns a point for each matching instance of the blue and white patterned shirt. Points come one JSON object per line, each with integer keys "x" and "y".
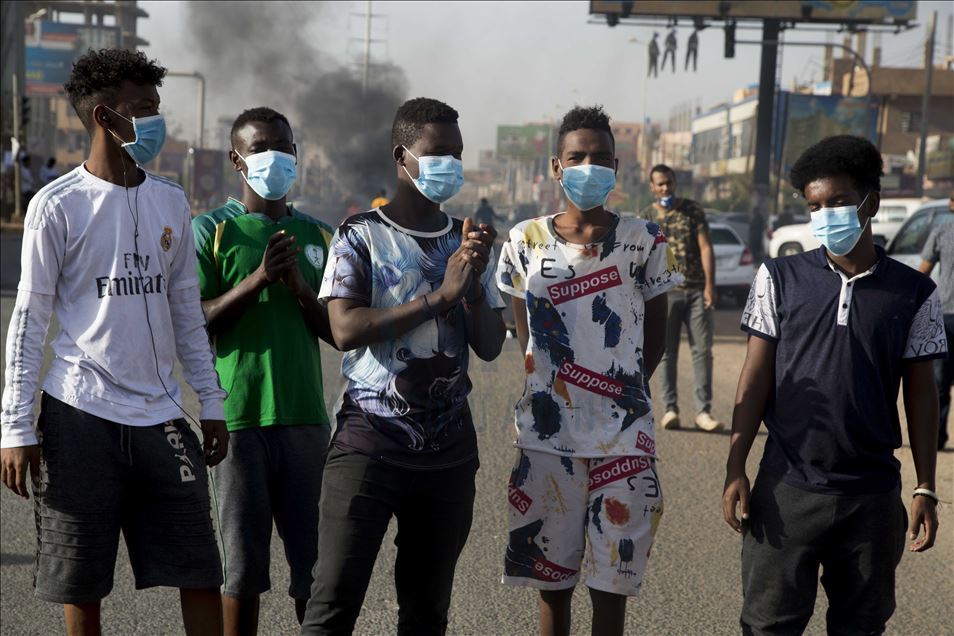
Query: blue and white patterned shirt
{"x": 406, "y": 398}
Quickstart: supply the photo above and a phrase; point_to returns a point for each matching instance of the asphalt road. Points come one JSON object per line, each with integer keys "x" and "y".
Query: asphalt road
{"x": 692, "y": 586}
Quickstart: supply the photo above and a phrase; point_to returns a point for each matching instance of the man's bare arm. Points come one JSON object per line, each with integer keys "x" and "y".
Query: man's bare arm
{"x": 921, "y": 409}
{"x": 751, "y": 398}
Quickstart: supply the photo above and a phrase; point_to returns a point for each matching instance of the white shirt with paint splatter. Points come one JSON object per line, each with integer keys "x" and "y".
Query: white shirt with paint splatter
{"x": 587, "y": 393}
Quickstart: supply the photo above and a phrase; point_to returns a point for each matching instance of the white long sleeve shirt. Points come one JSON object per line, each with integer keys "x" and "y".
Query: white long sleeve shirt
{"x": 117, "y": 268}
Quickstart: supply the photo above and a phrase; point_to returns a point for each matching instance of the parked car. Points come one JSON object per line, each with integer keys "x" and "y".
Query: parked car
{"x": 891, "y": 216}
{"x": 777, "y": 222}
{"x": 908, "y": 242}
{"x": 795, "y": 239}
{"x": 740, "y": 221}
{"x": 734, "y": 267}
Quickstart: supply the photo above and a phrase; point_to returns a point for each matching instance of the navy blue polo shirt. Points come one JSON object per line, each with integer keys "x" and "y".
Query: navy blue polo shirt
{"x": 841, "y": 347}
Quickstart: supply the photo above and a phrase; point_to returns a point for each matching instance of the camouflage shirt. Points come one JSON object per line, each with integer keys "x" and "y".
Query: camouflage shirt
{"x": 681, "y": 225}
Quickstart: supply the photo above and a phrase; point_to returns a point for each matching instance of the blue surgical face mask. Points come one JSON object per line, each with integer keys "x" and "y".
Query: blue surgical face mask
{"x": 838, "y": 229}
{"x": 270, "y": 173}
{"x": 666, "y": 201}
{"x": 587, "y": 186}
{"x": 439, "y": 178}
{"x": 150, "y": 135}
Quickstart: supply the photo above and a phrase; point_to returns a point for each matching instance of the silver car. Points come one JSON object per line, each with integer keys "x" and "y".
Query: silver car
{"x": 909, "y": 241}
{"x": 734, "y": 266}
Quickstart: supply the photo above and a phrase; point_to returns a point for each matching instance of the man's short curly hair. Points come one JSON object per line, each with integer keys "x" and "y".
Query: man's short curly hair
{"x": 414, "y": 114}
{"x": 855, "y": 157}
{"x": 591, "y": 117}
{"x": 262, "y": 114}
{"x": 97, "y": 75}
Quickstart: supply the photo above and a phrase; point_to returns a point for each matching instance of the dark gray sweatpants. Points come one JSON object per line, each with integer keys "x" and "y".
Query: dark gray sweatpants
{"x": 857, "y": 541}
{"x": 270, "y": 473}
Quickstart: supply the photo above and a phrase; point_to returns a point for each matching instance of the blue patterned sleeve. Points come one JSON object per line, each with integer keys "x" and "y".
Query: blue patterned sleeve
{"x": 489, "y": 281}
{"x": 348, "y": 272}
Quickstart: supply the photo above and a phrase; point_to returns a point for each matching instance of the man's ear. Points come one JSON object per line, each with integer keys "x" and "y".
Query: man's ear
{"x": 101, "y": 116}
{"x": 235, "y": 159}
{"x": 616, "y": 168}
{"x": 872, "y": 204}
{"x": 555, "y": 170}
{"x": 295, "y": 150}
{"x": 398, "y": 153}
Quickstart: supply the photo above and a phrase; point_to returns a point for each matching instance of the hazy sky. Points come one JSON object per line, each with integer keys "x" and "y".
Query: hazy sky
{"x": 513, "y": 62}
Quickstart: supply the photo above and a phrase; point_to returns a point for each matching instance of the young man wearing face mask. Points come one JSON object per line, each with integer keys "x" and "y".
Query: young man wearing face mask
{"x": 692, "y": 304}
{"x": 833, "y": 333}
{"x": 589, "y": 299}
{"x": 260, "y": 263}
{"x": 108, "y": 249}
{"x": 409, "y": 292}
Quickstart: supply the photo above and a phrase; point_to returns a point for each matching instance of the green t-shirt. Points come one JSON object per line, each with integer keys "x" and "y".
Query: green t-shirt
{"x": 270, "y": 361}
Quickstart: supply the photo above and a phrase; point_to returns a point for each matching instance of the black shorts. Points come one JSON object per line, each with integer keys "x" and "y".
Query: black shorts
{"x": 98, "y": 478}
{"x": 791, "y": 534}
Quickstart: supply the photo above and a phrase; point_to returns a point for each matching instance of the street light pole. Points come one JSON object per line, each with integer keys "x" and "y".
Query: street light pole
{"x": 367, "y": 50}
{"x": 15, "y": 152}
{"x": 926, "y": 103}
{"x": 200, "y": 105}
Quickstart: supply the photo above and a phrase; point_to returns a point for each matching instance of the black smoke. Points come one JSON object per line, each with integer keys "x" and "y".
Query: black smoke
{"x": 265, "y": 54}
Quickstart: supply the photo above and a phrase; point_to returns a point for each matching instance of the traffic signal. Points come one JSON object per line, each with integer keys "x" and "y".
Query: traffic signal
{"x": 24, "y": 111}
{"x": 730, "y": 39}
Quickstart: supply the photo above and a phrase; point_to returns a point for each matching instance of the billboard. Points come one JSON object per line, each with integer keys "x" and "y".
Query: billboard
{"x": 532, "y": 141}
{"x": 807, "y": 119}
{"x": 51, "y": 48}
{"x": 838, "y": 11}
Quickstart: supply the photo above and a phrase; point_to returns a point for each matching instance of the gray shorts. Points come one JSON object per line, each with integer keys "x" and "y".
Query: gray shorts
{"x": 270, "y": 473}
{"x": 98, "y": 478}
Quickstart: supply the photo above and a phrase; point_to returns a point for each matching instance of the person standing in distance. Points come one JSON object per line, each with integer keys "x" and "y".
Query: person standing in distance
{"x": 692, "y": 304}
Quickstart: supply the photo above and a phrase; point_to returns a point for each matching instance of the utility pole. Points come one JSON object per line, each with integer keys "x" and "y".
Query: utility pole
{"x": 200, "y": 104}
{"x": 367, "y": 49}
{"x": 926, "y": 102}
{"x": 15, "y": 153}
{"x": 763, "y": 123}
{"x": 363, "y": 61}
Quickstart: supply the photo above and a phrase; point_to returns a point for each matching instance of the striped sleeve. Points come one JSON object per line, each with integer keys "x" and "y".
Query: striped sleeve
{"x": 24, "y": 355}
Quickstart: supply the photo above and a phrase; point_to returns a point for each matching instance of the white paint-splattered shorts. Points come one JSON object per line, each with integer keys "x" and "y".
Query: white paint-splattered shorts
{"x": 562, "y": 508}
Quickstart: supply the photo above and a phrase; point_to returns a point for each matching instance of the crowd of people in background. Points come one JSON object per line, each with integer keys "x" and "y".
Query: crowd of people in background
{"x": 243, "y": 295}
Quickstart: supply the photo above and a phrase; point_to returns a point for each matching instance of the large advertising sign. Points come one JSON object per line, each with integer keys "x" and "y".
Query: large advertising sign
{"x": 51, "y": 48}
{"x": 532, "y": 141}
{"x": 859, "y": 11}
{"x": 810, "y": 118}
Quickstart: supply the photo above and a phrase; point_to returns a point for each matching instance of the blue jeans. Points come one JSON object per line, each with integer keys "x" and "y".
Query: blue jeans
{"x": 687, "y": 307}
{"x": 944, "y": 377}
